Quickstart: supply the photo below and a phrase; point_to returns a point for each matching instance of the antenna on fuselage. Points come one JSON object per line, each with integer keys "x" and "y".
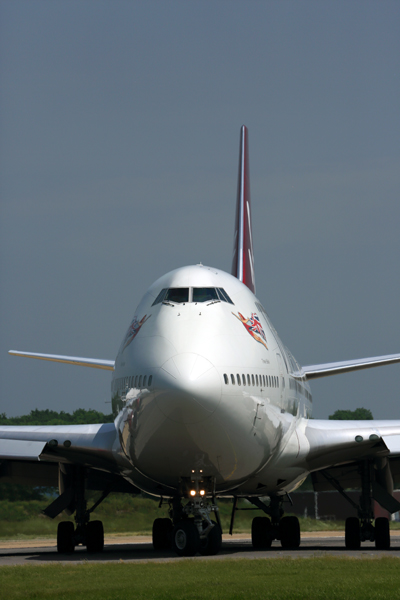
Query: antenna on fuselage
{"x": 243, "y": 257}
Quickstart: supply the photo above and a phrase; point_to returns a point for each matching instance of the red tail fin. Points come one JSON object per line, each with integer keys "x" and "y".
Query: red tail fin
{"x": 243, "y": 257}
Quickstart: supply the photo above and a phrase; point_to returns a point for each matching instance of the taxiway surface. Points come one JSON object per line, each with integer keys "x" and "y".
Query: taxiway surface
{"x": 139, "y": 549}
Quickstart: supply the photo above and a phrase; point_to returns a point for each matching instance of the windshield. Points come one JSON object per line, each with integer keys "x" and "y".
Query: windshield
{"x": 177, "y": 295}
{"x": 204, "y": 294}
{"x": 197, "y": 294}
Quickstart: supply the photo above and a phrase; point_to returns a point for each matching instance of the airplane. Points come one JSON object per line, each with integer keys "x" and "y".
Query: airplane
{"x": 209, "y": 404}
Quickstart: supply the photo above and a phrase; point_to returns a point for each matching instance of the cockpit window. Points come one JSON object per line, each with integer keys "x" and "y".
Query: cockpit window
{"x": 224, "y": 296}
{"x": 181, "y": 295}
{"x": 160, "y": 296}
{"x": 204, "y": 294}
{"x": 177, "y": 295}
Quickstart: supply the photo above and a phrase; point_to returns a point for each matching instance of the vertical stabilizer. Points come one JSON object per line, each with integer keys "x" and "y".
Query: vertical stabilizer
{"x": 243, "y": 257}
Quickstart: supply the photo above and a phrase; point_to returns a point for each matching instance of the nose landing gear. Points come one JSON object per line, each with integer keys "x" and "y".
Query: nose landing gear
{"x": 190, "y": 529}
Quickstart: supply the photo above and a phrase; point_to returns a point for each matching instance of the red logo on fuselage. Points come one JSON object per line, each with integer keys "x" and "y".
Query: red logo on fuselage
{"x": 134, "y": 329}
{"x": 254, "y": 327}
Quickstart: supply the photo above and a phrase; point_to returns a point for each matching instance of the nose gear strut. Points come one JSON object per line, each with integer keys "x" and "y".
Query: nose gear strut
{"x": 190, "y": 528}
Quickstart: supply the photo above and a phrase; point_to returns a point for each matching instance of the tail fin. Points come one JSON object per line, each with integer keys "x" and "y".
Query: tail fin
{"x": 243, "y": 257}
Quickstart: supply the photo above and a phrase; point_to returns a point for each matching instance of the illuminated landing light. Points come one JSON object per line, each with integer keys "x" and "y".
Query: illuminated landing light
{"x": 202, "y": 492}
{"x": 192, "y": 492}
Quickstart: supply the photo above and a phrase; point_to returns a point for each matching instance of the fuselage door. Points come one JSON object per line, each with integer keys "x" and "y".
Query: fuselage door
{"x": 281, "y": 376}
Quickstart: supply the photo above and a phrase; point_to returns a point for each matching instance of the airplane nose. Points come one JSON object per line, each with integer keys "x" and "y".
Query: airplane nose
{"x": 190, "y": 388}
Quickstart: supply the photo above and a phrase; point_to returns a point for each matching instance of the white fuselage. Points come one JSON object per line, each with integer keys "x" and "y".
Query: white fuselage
{"x": 206, "y": 385}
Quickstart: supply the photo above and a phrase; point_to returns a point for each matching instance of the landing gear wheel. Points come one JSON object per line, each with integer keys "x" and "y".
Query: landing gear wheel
{"x": 65, "y": 537}
{"x": 261, "y": 533}
{"x": 382, "y": 533}
{"x": 352, "y": 533}
{"x": 162, "y": 534}
{"x": 289, "y": 532}
{"x": 94, "y": 537}
{"x": 212, "y": 543}
{"x": 186, "y": 539}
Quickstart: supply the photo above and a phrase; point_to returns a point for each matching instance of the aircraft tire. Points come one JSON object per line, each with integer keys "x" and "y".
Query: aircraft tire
{"x": 289, "y": 532}
{"x": 382, "y": 533}
{"x": 94, "y": 537}
{"x": 261, "y": 533}
{"x": 65, "y": 537}
{"x": 211, "y": 545}
{"x": 186, "y": 538}
{"x": 352, "y": 533}
{"x": 162, "y": 534}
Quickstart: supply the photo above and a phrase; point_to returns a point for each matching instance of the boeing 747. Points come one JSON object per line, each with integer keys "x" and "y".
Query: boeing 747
{"x": 209, "y": 404}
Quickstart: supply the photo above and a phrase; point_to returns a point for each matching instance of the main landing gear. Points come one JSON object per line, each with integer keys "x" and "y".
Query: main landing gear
{"x": 361, "y": 528}
{"x": 72, "y": 499}
{"x": 90, "y": 535}
{"x": 272, "y": 527}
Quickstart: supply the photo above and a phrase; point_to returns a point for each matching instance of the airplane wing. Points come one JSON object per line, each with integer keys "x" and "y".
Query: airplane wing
{"x": 95, "y": 363}
{"x": 39, "y": 455}
{"x": 335, "y": 441}
{"x": 336, "y": 451}
{"x": 92, "y": 445}
{"x": 346, "y": 366}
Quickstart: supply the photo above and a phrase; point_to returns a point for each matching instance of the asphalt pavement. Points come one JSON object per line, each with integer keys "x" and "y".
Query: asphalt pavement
{"x": 133, "y": 549}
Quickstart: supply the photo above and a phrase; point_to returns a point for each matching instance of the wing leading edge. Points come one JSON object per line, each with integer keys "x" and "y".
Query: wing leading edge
{"x": 94, "y": 363}
{"x": 346, "y": 366}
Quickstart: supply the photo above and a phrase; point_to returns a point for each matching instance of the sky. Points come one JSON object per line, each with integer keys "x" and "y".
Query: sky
{"x": 119, "y": 142}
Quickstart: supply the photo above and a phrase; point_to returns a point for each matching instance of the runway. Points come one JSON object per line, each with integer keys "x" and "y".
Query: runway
{"x": 137, "y": 549}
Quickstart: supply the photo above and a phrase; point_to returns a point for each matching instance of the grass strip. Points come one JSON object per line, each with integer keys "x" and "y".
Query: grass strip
{"x": 122, "y": 513}
{"x": 267, "y": 579}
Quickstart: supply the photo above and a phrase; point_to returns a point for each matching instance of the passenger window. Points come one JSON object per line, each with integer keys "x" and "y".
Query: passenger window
{"x": 136, "y": 380}
{"x": 257, "y": 380}
{"x": 150, "y": 380}
{"x": 244, "y": 379}
{"x": 248, "y": 379}
{"x": 177, "y": 295}
{"x": 263, "y": 380}
{"x": 233, "y": 379}
{"x": 144, "y": 380}
{"x": 226, "y": 379}
{"x": 238, "y": 379}
{"x": 204, "y": 294}
{"x": 252, "y": 379}
{"x": 140, "y": 381}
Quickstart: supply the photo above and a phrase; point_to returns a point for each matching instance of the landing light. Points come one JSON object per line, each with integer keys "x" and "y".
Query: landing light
{"x": 192, "y": 492}
{"x": 202, "y": 492}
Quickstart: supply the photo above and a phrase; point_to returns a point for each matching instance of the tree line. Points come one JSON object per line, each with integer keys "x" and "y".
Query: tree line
{"x": 80, "y": 416}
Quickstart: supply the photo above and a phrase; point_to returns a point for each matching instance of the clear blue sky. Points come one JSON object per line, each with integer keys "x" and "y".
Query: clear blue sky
{"x": 118, "y": 156}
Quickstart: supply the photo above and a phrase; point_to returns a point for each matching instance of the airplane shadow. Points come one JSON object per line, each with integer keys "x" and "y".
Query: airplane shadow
{"x": 143, "y": 552}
